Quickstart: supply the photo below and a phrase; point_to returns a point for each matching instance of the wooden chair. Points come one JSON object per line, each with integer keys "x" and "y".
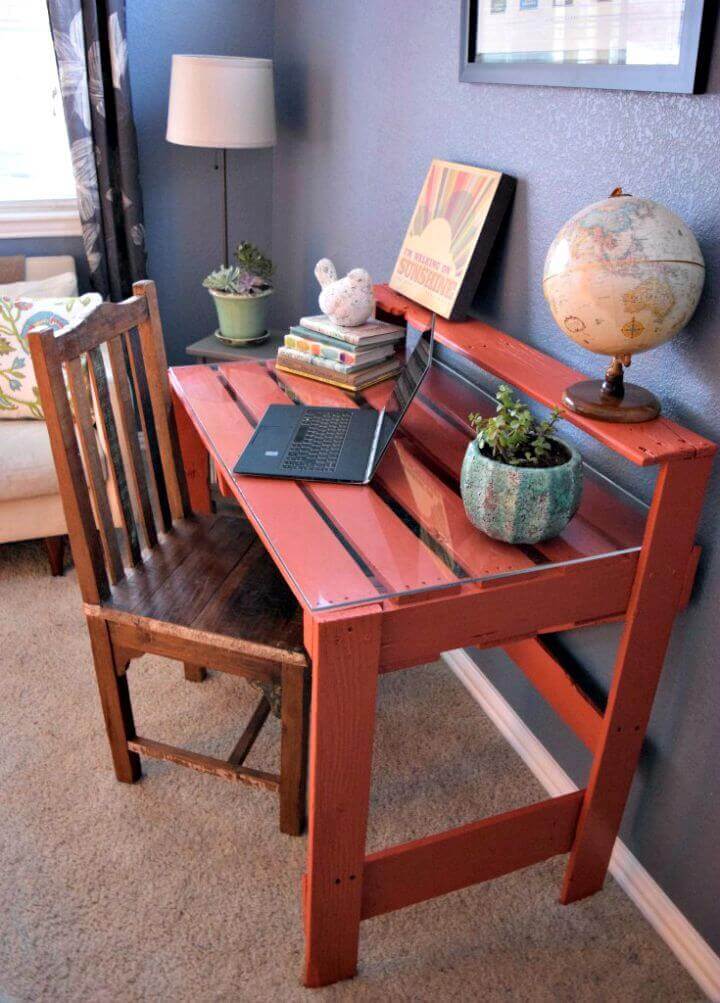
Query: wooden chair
{"x": 200, "y": 589}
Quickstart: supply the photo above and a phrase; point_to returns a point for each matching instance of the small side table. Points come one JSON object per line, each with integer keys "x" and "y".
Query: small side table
{"x": 211, "y": 349}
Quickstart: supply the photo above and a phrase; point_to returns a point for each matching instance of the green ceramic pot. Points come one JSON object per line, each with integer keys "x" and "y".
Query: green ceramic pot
{"x": 241, "y": 318}
{"x": 520, "y": 504}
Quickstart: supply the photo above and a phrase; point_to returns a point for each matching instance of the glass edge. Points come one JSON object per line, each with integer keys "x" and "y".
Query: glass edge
{"x": 477, "y": 580}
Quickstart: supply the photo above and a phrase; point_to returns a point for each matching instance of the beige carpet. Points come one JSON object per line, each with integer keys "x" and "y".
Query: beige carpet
{"x": 181, "y": 888}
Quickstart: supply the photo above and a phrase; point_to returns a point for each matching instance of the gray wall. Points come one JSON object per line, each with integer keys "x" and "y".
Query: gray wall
{"x": 181, "y": 191}
{"x": 368, "y": 94}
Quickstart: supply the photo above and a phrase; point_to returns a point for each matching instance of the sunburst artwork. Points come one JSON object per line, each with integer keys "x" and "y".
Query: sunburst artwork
{"x": 447, "y": 243}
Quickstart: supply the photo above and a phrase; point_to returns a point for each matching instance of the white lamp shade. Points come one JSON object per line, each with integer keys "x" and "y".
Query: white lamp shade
{"x": 221, "y": 101}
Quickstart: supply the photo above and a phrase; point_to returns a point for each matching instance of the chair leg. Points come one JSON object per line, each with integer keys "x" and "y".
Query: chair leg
{"x": 295, "y": 714}
{"x": 55, "y": 547}
{"x": 194, "y": 673}
{"x": 115, "y": 700}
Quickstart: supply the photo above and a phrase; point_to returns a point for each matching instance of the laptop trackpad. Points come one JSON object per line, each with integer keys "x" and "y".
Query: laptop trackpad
{"x": 270, "y": 443}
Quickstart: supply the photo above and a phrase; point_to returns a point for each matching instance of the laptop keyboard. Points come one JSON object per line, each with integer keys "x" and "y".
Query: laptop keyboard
{"x": 318, "y": 441}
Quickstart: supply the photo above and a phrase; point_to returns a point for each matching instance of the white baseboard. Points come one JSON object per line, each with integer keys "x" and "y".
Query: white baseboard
{"x": 691, "y": 950}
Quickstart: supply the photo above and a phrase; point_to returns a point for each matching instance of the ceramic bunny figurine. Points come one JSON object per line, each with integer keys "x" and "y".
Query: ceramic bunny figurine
{"x": 348, "y": 302}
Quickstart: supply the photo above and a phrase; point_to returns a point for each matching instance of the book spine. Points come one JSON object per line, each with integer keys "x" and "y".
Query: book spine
{"x": 364, "y": 332}
{"x": 321, "y": 363}
{"x": 329, "y": 330}
{"x": 314, "y": 373}
{"x": 290, "y": 355}
{"x": 321, "y": 350}
{"x": 308, "y": 335}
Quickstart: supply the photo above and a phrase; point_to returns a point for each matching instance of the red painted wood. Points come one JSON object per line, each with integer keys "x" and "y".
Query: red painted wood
{"x": 550, "y": 679}
{"x": 399, "y": 560}
{"x": 689, "y": 582}
{"x": 435, "y": 865}
{"x": 656, "y": 596}
{"x": 435, "y": 506}
{"x": 439, "y": 509}
{"x": 344, "y": 649}
{"x": 349, "y": 647}
{"x": 223, "y": 486}
{"x": 471, "y": 550}
{"x": 605, "y": 520}
{"x": 436, "y": 424}
{"x": 545, "y": 379}
{"x": 496, "y": 613}
{"x": 445, "y": 446}
{"x": 306, "y": 547}
{"x": 195, "y": 459}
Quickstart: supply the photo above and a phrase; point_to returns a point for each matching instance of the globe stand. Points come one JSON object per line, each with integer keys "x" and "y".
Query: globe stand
{"x": 612, "y": 399}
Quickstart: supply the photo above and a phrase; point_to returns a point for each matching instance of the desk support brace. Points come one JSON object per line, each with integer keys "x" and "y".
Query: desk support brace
{"x": 654, "y": 601}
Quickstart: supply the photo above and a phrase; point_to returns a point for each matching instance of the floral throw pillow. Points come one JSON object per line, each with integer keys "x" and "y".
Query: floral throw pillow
{"x": 18, "y": 317}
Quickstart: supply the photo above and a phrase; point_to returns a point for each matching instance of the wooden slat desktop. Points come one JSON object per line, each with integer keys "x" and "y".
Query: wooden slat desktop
{"x": 392, "y": 574}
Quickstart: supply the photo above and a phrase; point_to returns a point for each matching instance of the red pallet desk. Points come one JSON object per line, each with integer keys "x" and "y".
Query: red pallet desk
{"x": 392, "y": 574}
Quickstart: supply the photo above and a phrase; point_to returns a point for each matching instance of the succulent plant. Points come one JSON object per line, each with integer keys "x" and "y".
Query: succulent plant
{"x": 251, "y": 259}
{"x": 249, "y": 277}
{"x": 514, "y": 437}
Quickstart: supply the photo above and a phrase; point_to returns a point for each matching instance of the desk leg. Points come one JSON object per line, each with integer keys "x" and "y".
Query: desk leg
{"x": 655, "y": 599}
{"x": 345, "y": 650}
{"x": 195, "y": 460}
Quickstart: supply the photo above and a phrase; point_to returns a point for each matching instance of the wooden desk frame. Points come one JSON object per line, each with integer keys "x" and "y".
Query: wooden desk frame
{"x": 349, "y": 647}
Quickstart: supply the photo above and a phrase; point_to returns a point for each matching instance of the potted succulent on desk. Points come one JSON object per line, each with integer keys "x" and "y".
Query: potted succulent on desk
{"x": 241, "y": 292}
{"x": 519, "y": 483}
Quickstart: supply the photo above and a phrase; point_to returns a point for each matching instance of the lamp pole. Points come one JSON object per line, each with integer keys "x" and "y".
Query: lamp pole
{"x": 226, "y": 243}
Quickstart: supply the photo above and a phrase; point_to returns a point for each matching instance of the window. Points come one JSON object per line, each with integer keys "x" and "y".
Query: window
{"x": 37, "y": 189}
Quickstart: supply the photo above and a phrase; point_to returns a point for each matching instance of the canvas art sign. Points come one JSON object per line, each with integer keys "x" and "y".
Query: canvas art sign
{"x": 452, "y": 229}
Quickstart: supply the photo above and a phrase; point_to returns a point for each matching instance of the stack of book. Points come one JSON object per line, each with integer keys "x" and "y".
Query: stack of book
{"x": 352, "y": 358}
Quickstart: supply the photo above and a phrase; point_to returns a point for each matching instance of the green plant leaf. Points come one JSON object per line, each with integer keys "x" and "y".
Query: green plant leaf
{"x": 512, "y": 435}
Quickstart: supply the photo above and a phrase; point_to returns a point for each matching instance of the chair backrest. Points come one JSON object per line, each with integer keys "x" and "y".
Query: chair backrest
{"x": 82, "y": 404}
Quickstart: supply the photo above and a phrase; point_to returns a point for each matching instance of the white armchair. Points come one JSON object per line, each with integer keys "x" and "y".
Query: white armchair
{"x": 30, "y": 505}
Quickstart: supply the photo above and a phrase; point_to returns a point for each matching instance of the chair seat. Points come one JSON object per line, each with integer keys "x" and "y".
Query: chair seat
{"x": 212, "y": 574}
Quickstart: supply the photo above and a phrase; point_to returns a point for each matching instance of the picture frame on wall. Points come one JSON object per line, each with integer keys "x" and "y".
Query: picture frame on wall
{"x": 453, "y": 227}
{"x": 642, "y": 45}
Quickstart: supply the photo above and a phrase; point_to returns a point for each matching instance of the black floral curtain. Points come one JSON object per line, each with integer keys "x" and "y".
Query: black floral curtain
{"x": 91, "y": 49}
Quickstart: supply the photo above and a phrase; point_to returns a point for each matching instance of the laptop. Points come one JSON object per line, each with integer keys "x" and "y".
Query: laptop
{"x": 343, "y": 445}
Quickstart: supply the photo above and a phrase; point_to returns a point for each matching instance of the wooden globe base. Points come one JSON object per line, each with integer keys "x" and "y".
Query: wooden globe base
{"x": 588, "y": 398}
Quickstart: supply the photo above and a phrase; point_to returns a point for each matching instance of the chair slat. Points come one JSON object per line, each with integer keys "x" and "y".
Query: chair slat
{"x": 128, "y": 431}
{"x": 156, "y": 370}
{"x": 86, "y": 545}
{"x": 93, "y": 468}
{"x": 147, "y": 420}
{"x": 108, "y": 427}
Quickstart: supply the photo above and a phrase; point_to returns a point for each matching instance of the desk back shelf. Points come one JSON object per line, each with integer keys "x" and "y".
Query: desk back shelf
{"x": 544, "y": 379}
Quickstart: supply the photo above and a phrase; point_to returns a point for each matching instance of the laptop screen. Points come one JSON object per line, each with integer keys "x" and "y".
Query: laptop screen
{"x": 406, "y": 386}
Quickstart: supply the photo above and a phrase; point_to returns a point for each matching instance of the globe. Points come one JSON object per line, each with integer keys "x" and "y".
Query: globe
{"x": 622, "y": 276}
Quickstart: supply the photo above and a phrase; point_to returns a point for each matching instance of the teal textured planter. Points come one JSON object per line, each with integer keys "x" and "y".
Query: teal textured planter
{"x": 241, "y": 318}
{"x": 520, "y": 504}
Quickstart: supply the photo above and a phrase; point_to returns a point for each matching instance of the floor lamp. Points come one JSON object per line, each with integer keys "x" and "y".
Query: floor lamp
{"x": 223, "y": 103}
